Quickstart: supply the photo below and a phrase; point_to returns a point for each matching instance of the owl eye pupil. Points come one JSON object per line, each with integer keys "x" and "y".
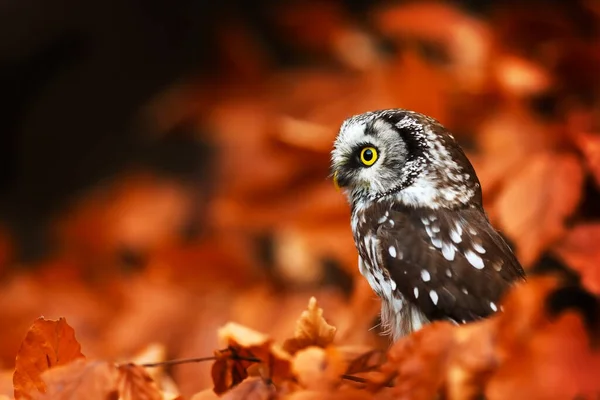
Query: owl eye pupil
{"x": 368, "y": 156}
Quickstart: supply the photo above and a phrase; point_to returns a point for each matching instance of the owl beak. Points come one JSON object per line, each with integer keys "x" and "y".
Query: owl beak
{"x": 336, "y": 184}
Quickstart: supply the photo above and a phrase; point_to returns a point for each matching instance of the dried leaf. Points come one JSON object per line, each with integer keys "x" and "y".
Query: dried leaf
{"x": 134, "y": 383}
{"x": 366, "y": 362}
{"x": 520, "y": 77}
{"x": 343, "y": 394}
{"x": 246, "y": 347}
{"x": 304, "y": 134}
{"x": 252, "y": 389}
{"x": 590, "y": 147}
{"x": 536, "y": 201}
{"x": 579, "y": 250}
{"x": 48, "y": 343}
{"x": 420, "y": 360}
{"x": 317, "y": 368}
{"x": 507, "y": 140}
{"x": 81, "y": 379}
{"x": 311, "y": 329}
{"x": 557, "y": 350}
{"x": 207, "y": 394}
{"x": 466, "y": 39}
{"x": 156, "y": 353}
{"x": 228, "y": 371}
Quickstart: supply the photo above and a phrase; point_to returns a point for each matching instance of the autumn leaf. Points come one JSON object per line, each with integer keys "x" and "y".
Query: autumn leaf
{"x": 531, "y": 343}
{"x": 536, "y": 201}
{"x": 507, "y": 140}
{"x": 134, "y": 383}
{"x": 80, "y": 379}
{"x": 579, "y": 249}
{"x": 246, "y": 347}
{"x": 48, "y": 343}
{"x": 317, "y": 368}
{"x": 311, "y": 329}
{"x": 466, "y": 40}
{"x": 366, "y": 362}
{"x": 589, "y": 144}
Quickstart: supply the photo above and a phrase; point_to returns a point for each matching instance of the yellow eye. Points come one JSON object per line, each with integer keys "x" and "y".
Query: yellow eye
{"x": 368, "y": 156}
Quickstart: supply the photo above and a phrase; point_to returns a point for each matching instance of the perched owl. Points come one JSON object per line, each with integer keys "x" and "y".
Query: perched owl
{"x": 425, "y": 244}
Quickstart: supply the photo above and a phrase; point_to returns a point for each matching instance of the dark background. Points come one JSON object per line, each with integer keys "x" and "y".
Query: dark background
{"x": 73, "y": 76}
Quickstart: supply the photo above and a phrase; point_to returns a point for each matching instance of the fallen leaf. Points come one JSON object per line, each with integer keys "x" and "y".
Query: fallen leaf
{"x": 579, "y": 250}
{"x": 252, "y": 389}
{"x": 536, "y": 201}
{"x": 520, "y": 77}
{"x": 368, "y": 361}
{"x": 311, "y": 330}
{"x": 507, "y": 140}
{"x": 467, "y": 40}
{"x": 48, "y": 343}
{"x": 343, "y": 394}
{"x": 553, "y": 361}
{"x": 245, "y": 348}
{"x": 419, "y": 361}
{"x": 317, "y": 368}
{"x": 207, "y": 394}
{"x": 80, "y": 379}
{"x": 589, "y": 144}
{"x": 305, "y": 134}
{"x": 134, "y": 383}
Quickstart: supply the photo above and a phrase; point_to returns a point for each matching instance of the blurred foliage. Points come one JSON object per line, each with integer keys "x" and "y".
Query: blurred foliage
{"x": 148, "y": 266}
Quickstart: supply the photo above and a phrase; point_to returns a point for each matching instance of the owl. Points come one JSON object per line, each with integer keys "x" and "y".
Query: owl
{"x": 425, "y": 243}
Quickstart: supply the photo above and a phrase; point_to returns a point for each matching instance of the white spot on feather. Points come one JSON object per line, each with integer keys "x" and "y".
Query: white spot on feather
{"x": 436, "y": 242}
{"x": 474, "y": 259}
{"x": 478, "y": 248}
{"x": 425, "y": 275}
{"x": 434, "y": 296}
{"x": 416, "y": 292}
{"x": 493, "y": 306}
{"x": 392, "y": 251}
{"x": 498, "y": 265}
{"x": 393, "y": 284}
{"x": 448, "y": 251}
{"x": 449, "y": 273}
{"x": 456, "y": 233}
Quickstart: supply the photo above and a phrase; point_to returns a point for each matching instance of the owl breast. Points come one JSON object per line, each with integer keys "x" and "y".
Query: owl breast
{"x": 399, "y": 317}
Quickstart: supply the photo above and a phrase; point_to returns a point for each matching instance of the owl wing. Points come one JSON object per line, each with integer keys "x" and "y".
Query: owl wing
{"x": 449, "y": 264}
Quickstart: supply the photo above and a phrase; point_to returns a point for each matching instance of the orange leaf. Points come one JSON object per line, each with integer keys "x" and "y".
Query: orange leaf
{"x": 590, "y": 147}
{"x": 252, "y": 389}
{"x": 134, "y": 383}
{"x": 311, "y": 329}
{"x": 366, "y": 362}
{"x": 536, "y": 201}
{"x": 245, "y": 348}
{"x": 579, "y": 249}
{"x": 81, "y": 379}
{"x": 507, "y": 140}
{"x": 317, "y": 368}
{"x": 466, "y": 40}
{"x": 48, "y": 343}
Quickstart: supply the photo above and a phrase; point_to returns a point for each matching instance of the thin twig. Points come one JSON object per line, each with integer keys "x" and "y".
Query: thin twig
{"x": 179, "y": 361}
{"x": 195, "y": 360}
{"x": 353, "y": 378}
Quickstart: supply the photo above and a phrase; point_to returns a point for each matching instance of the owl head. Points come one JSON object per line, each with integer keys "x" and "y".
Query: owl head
{"x": 403, "y": 155}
